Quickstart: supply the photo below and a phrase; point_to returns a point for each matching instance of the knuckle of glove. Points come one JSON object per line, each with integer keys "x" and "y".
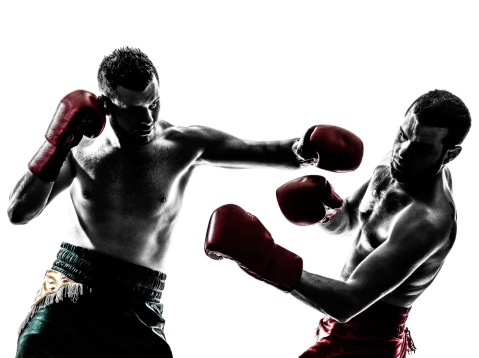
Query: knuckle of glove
{"x": 341, "y": 150}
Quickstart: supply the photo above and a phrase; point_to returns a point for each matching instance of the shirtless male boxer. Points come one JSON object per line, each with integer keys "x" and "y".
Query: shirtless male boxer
{"x": 404, "y": 222}
{"x": 127, "y": 187}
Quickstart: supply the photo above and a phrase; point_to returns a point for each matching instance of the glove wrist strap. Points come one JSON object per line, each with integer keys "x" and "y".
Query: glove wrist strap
{"x": 330, "y": 212}
{"x": 303, "y": 161}
{"x": 47, "y": 162}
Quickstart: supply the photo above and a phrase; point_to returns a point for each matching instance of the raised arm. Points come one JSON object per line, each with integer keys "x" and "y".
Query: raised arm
{"x": 311, "y": 199}
{"x": 346, "y": 219}
{"x": 50, "y": 170}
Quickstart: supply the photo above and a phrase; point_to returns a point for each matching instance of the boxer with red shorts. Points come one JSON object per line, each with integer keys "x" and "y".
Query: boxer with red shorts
{"x": 404, "y": 224}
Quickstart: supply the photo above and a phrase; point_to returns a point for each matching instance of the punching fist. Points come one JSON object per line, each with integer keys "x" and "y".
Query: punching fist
{"x": 239, "y": 236}
{"x": 79, "y": 114}
{"x": 330, "y": 148}
{"x": 308, "y": 200}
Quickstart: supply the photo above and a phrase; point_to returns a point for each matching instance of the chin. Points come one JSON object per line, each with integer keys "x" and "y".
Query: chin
{"x": 140, "y": 140}
{"x": 419, "y": 178}
{"x": 398, "y": 176}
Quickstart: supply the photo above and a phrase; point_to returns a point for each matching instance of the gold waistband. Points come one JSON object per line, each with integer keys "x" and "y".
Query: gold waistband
{"x": 55, "y": 287}
{"x": 55, "y": 281}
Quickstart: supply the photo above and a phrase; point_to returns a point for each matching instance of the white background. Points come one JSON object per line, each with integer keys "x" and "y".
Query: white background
{"x": 260, "y": 70}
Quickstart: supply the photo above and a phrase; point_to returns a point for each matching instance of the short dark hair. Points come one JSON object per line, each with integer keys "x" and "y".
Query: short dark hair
{"x": 128, "y": 67}
{"x": 440, "y": 108}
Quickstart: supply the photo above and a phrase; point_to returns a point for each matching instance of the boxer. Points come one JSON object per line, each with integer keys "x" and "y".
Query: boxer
{"x": 404, "y": 223}
{"x": 126, "y": 178}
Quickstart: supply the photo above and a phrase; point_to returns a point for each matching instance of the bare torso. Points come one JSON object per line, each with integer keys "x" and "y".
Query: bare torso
{"x": 382, "y": 204}
{"x": 126, "y": 201}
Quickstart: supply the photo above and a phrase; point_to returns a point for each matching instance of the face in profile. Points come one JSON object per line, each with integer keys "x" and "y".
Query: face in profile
{"x": 134, "y": 114}
{"x": 419, "y": 152}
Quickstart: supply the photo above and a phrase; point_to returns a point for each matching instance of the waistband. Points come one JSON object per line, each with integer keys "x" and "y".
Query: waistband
{"x": 381, "y": 312}
{"x": 100, "y": 272}
{"x": 381, "y": 322}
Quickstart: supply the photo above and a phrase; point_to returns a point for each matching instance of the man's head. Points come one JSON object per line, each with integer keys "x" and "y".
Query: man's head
{"x": 129, "y": 83}
{"x": 434, "y": 126}
{"x": 126, "y": 67}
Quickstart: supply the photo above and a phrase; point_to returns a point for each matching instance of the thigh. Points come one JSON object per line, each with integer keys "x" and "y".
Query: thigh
{"x": 91, "y": 327}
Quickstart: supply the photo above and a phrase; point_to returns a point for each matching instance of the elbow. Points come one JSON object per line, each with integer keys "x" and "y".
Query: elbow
{"x": 346, "y": 311}
{"x": 344, "y": 317}
{"x": 350, "y": 312}
{"x": 17, "y": 216}
{"x": 341, "y": 315}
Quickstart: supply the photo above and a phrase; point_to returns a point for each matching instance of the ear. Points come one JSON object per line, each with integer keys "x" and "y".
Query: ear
{"x": 105, "y": 103}
{"x": 452, "y": 154}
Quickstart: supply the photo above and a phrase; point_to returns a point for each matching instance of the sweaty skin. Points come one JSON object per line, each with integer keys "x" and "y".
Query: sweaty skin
{"x": 404, "y": 223}
{"x": 127, "y": 185}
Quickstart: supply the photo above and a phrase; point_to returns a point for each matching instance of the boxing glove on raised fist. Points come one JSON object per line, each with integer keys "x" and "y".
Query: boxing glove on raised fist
{"x": 308, "y": 200}
{"x": 79, "y": 114}
{"x": 239, "y": 236}
{"x": 330, "y": 148}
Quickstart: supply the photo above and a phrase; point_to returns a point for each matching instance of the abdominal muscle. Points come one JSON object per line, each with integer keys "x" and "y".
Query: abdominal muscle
{"x": 137, "y": 237}
{"x": 126, "y": 203}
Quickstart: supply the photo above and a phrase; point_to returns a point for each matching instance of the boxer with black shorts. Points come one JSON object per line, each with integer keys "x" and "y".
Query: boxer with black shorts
{"x": 126, "y": 178}
{"x": 404, "y": 222}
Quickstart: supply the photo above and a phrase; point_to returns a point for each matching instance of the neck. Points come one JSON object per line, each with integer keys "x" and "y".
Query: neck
{"x": 421, "y": 185}
{"x": 121, "y": 140}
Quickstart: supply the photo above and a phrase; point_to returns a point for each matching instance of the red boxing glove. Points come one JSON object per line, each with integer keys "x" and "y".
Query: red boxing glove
{"x": 308, "y": 200}
{"x": 330, "y": 148}
{"x": 79, "y": 113}
{"x": 239, "y": 236}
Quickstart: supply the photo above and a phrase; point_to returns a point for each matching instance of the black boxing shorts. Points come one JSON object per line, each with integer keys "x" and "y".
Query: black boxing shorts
{"x": 94, "y": 305}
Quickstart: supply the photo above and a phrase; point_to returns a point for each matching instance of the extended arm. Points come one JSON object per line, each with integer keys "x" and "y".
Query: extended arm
{"x": 237, "y": 235}
{"x": 327, "y": 147}
{"x": 222, "y": 149}
{"x": 413, "y": 238}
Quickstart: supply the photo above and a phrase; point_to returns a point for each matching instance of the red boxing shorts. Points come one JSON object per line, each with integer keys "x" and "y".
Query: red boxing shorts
{"x": 377, "y": 332}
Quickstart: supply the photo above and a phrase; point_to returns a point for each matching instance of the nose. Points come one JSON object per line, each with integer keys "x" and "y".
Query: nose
{"x": 404, "y": 150}
{"x": 146, "y": 118}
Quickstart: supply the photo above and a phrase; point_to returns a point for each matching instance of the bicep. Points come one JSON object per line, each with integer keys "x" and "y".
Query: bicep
{"x": 220, "y": 148}
{"x": 211, "y": 144}
{"x": 64, "y": 179}
{"x": 411, "y": 241}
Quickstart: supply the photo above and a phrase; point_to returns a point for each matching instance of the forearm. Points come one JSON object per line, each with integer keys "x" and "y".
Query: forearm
{"x": 240, "y": 153}
{"x": 329, "y": 296}
{"x": 28, "y": 198}
{"x": 277, "y": 154}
